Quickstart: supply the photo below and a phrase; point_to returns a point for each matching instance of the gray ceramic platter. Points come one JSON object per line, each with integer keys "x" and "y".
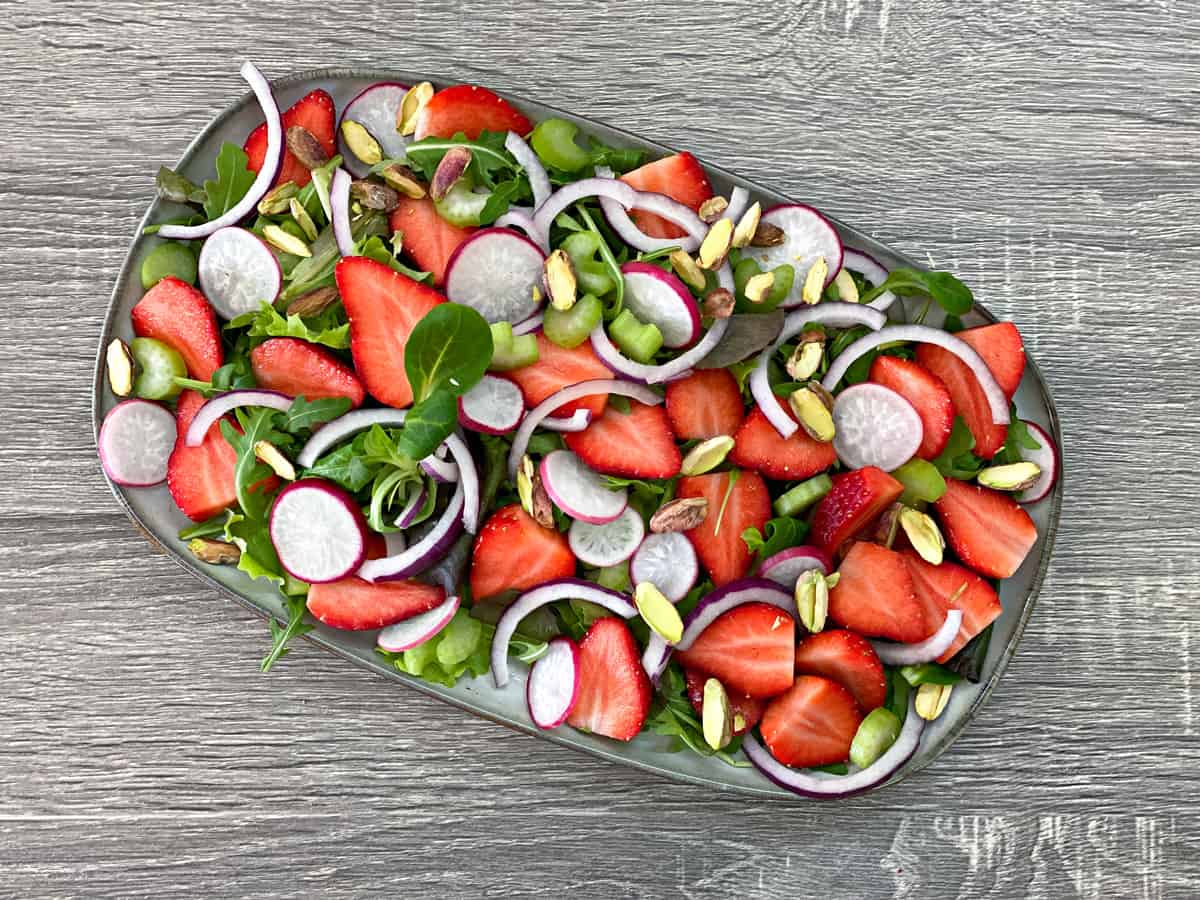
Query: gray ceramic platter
{"x": 156, "y": 515}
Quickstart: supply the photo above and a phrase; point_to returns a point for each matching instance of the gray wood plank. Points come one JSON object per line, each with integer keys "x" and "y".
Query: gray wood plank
{"x": 1045, "y": 151}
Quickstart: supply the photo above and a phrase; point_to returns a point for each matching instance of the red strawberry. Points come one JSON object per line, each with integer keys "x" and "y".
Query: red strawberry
{"x": 935, "y": 585}
{"x": 847, "y": 658}
{"x": 200, "y": 478}
{"x": 681, "y": 178}
{"x": 176, "y": 313}
{"x": 747, "y": 710}
{"x": 514, "y": 552}
{"x": 875, "y": 596}
{"x": 718, "y": 539}
{"x": 750, "y": 649}
{"x": 557, "y": 368}
{"x": 384, "y": 307}
{"x": 315, "y": 112}
{"x": 1001, "y": 348}
{"x": 704, "y": 405}
{"x": 928, "y": 395}
{"x": 988, "y": 530}
{"x": 813, "y": 724}
{"x": 757, "y": 445}
{"x": 856, "y": 499}
{"x": 470, "y": 109}
{"x": 429, "y": 240}
{"x": 614, "y": 692}
{"x": 298, "y": 368}
{"x": 636, "y": 444}
{"x": 359, "y": 605}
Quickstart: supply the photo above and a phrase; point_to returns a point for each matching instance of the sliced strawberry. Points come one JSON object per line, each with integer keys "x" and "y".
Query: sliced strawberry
{"x": 718, "y": 539}
{"x": 704, "y": 405}
{"x": 314, "y": 112}
{"x": 847, "y": 658}
{"x": 681, "y": 178}
{"x": 358, "y": 605}
{"x": 757, "y": 445}
{"x": 813, "y": 724}
{"x": 384, "y": 307}
{"x": 298, "y": 368}
{"x": 557, "y": 368}
{"x": 928, "y": 395}
{"x": 856, "y": 500}
{"x": 936, "y": 585}
{"x": 751, "y": 649}
{"x": 429, "y": 240}
{"x": 513, "y": 552}
{"x": 747, "y": 711}
{"x": 614, "y": 692}
{"x": 470, "y": 109}
{"x": 988, "y": 530}
{"x": 874, "y": 596}
{"x": 636, "y": 444}
{"x": 176, "y": 313}
{"x": 1002, "y": 349}
{"x": 200, "y": 478}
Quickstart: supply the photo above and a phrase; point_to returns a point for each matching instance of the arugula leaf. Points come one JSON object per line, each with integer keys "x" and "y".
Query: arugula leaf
{"x": 449, "y": 348}
{"x": 957, "y": 460}
{"x": 328, "y": 327}
{"x": 258, "y": 424}
{"x": 610, "y": 262}
{"x": 968, "y": 662}
{"x": 282, "y": 634}
{"x": 1018, "y": 438}
{"x": 619, "y": 159}
{"x": 950, "y": 294}
{"x": 232, "y": 182}
{"x": 488, "y": 156}
{"x": 304, "y": 413}
{"x": 777, "y": 534}
{"x": 345, "y": 466}
{"x": 174, "y": 187}
{"x": 374, "y": 248}
{"x": 673, "y": 715}
{"x": 234, "y": 375}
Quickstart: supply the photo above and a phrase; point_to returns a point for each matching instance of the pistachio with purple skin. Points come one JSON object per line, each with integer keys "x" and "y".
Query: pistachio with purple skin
{"x": 303, "y": 145}
{"x": 448, "y": 171}
{"x": 373, "y": 195}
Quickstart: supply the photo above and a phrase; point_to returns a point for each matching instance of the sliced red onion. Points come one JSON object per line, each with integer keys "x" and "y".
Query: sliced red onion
{"x": 342, "y": 427}
{"x": 266, "y": 174}
{"x": 739, "y": 202}
{"x": 218, "y": 406}
{"x": 538, "y": 414}
{"x": 339, "y": 206}
{"x": 821, "y": 786}
{"x": 786, "y": 566}
{"x": 413, "y": 632}
{"x": 522, "y": 217}
{"x": 676, "y": 368}
{"x": 539, "y": 181}
{"x": 835, "y": 314}
{"x": 924, "y": 334}
{"x": 581, "y": 190}
{"x": 443, "y": 471}
{"x": 559, "y": 589}
{"x": 656, "y": 656}
{"x": 723, "y": 599}
{"x": 577, "y": 421}
{"x": 408, "y": 513}
{"x": 468, "y": 477}
{"x": 931, "y": 648}
{"x": 661, "y": 205}
{"x": 873, "y": 271}
{"x": 425, "y": 552}
{"x": 530, "y": 325}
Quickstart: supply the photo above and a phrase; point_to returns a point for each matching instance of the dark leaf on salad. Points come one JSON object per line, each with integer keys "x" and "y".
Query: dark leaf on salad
{"x": 746, "y": 336}
{"x": 174, "y": 187}
{"x": 968, "y": 662}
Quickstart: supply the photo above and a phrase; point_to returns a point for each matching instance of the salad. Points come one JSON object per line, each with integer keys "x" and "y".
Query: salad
{"x": 518, "y": 401}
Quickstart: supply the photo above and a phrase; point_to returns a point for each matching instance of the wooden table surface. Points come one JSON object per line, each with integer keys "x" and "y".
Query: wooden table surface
{"x": 1047, "y": 152}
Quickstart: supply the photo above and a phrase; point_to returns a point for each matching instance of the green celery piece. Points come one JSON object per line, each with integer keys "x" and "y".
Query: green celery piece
{"x": 637, "y": 341}
{"x": 803, "y": 495}
{"x": 923, "y": 483}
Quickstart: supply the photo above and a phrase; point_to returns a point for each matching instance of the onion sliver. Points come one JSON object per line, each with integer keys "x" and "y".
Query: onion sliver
{"x": 576, "y": 421}
{"x": 266, "y": 174}
{"x": 443, "y": 471}
{"x": 539, "y": 181}
{"x": 425, "y": 552}
{"x": 873, "y": 271}
{"x": 581, "y": 190}
{"x": 923, "y": 651}
{"x": 522, "y": 217}
{"x": 927, "y": 335}
{"x": 821, "y": 786}
{"x": 661, "y": 205}
{"x": 218, "y": 406}
{"x": 468, "y": 477}
{"x": 679, "y": 366}
{"x": 534, "y": 417}
{"x": 343, "y": 426}
{"x": 739, "y": 202}
{"x": 559, "y": 589}
{"x": 723, "y": 599}
{"x": 656, "y": 656}
{"x": 339, "y": 206}
{"x": 530, "y": 325}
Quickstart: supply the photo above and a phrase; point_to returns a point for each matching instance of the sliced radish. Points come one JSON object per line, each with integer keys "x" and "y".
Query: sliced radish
{"x": 786, "y": 566}
{"x": 136, "y": 440}
{"x": 318, "y": 531}
{"x": 578, "y": 491}
{"x": 875, "y": 426}
{"x": 667, "y": 561}
{"x": 553, "y": 685}
{"x": 376, "y": 109}
{"x": 408, "y": 515}
{"x": 577, "y": 421}
{"x": 238, "y": 272}
{"x": 1046, "y": 459}
{"x": 495, "y": 272}
{"x": 607, "y": 544}
{"x": 494, "y": 406}
{"x": 226, "y": 403}
{"x": 415, "y": 631}
{"x": 660, "y": 298}
{"x": 339, "y": 212}
{"x": 873, "y": 271}
{"x": 808, "y": 235}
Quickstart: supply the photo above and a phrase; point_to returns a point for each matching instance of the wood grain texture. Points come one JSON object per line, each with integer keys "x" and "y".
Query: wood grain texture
{"x": 1045, "y": 151}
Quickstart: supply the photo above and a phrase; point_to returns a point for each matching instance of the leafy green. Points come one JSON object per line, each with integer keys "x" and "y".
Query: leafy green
{"x": 234, "y": 375}
{"x": 673, "y": 715}
{"x": 258, "y": 558}
{"x": 968, "y": 662}
{"x": 232, "y": 182}
{"x": 929, "y": 673}
{"x": 778, "y": 534}
{"x": 304, "y": 413}
{"x": 174, "y": 187}
{"x": 950, "y": 294}
{"x": 281, "y": 635}
{"x": 1017, "y": 439}
{"x": 957, "y": 460}
{"x": 610, "y": 262}
{"x": 258, "y": 424}
{"x": 503, "y": 195}
{"x": 345, "y": 466}
{"x": 429, "y": 422}
{"x": 896, "y": 699}
{"x": 488, "y": 156}
{"x": 374, "y": 248}
{"x": 463, "y": 646}
{"x": 329, "y": 327}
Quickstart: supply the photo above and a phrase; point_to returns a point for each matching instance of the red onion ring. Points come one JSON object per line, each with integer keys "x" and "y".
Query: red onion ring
{"x": 581, "y": 190}
{"x": 522, "y": 217}
{"x": 218, "y": 406}
{"x": 661, "y": 205}
{"x": 530, "y": 325}
{"x": 656, "y": 656}
{"x": 923, "y": 651}
{"x": 442, "y": 471}
{"x": 425, "y": 552}
{"x": 677, "y": 367}
{"x": 339, "y": 206}
{"x": 871, "y": 269}
{"x": 539, "y": 181}
{"x": 734, "y": 594}
{"x": 577, "y": 421}
{"x": 342, "y": 427}
{"x": 407, "y": 513}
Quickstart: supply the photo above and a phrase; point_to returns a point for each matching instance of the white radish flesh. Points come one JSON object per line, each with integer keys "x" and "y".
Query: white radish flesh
{"x": 495, "y": 272}
{"x": 375, "y": 109}
{"x": 607, "y": 544}
{"x": 875, "y": 426}
{"x": 578, "y": 491}
{"x": 808, "y": 235}
{"x": 1046, "y": 459}
{"x": 494, "y": 406}
{"x": 135, "y": 443}
{"x": 238, "y": 272}
{"x": 415, "y": 631}
{"x": 553, "y": 685}
{"x": 660, "y": 298}
{"x": 668, "y": 561}
{"x": 318, "y": 531}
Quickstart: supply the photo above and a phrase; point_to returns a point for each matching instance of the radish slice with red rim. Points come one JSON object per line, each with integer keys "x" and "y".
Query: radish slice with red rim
{"x": 539, "y": 181}
{"x": 577, "y": 421}
{"x": 494, "y": 406}
{"x": 1045, "y": 458}
{"x": 608, "y": 544}
{"x": 409, "y": 633}
{"x": 668, "y": 561}
{"x": 808, "y": 235}
{"x": 318, "y": 531}
{"x": 578, "y": 491}
{"x": 891, "y": 654}
{"x": 718, "y": 602}
{"x": 422, "y": 554}
{"x": 339, "y": 211}
{"x": 376, "y": 109}
{"x": 559, "y": 589}
{"x": 660, "y": 298}
{"x": 553, "y": 685}
{"x": 668, "y": 371}
{"x": 135, "y": 442}
{"x": 494, "y": 272}
{"x": 238, "y": 272}
{"x": 343, "y": 427}
{"x": 225, "y": 403}
{"x": 875, "y": 426}
{"x": 522, "y": 217}
{"x": 873, "y": 271}
{"x": 786, "y": 566}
